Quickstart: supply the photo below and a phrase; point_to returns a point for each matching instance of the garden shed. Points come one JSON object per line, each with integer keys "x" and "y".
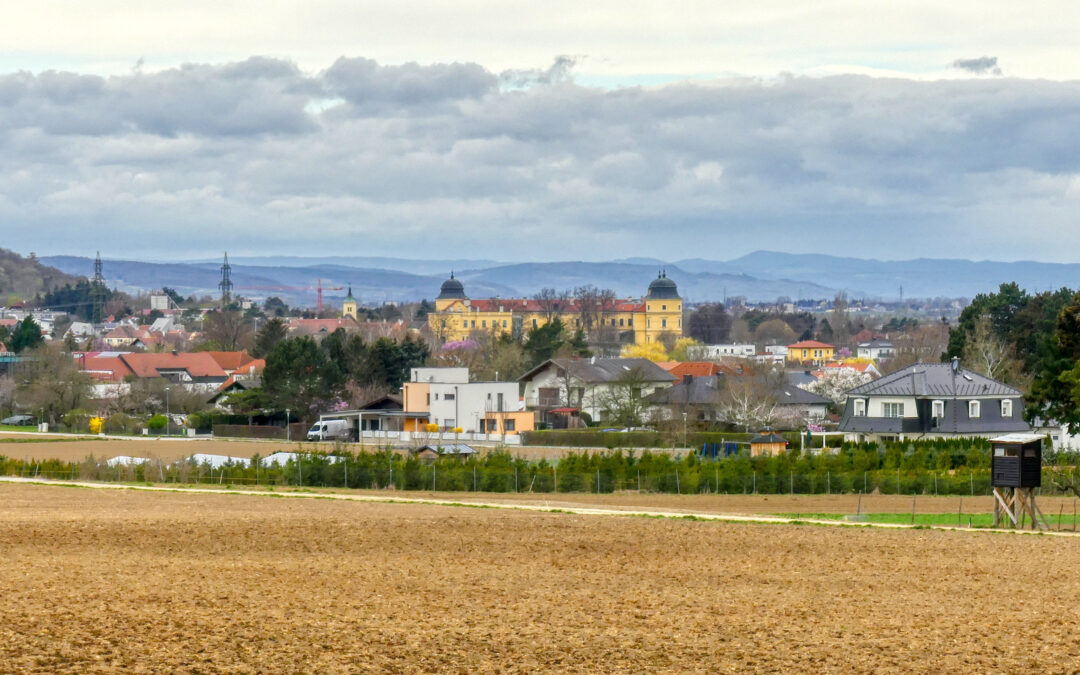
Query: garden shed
{"x": 767, "y": 443}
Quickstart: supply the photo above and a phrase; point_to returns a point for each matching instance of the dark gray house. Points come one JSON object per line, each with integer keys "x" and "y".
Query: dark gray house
{"x": 931, "y": 400}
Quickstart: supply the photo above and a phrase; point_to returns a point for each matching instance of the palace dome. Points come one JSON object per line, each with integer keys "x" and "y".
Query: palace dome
{"x": 451, "y": 289}
{"x": 663, "y": 288}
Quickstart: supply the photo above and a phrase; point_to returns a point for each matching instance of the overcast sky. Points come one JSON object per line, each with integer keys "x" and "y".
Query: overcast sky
{"x": 541, "y": 131}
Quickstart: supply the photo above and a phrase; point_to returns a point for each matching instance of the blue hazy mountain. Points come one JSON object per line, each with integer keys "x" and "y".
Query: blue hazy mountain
{"x": 758, "y": 276}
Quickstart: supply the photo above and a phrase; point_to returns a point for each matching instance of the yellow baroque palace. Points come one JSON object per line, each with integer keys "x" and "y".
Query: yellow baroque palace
{"x": 456, "y": 316}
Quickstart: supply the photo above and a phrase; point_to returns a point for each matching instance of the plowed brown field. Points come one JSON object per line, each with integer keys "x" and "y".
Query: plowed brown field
{"x": 125, "y": 581}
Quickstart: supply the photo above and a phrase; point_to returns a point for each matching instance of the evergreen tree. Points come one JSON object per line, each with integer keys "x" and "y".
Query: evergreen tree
{"x": 26, "y": 336}
{"x": 272, "y": 332}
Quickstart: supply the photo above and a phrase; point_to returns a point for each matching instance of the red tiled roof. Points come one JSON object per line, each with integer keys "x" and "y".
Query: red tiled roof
{"x": 197, "y": 364}
{"x": 810, "y": 344}
{"x": 536, "y": 307}
{"x": 232, "y": 361}
{"x": 123, "y": 331}
{"x": 105, "y": 368}
{"x": 321, "y": 325}
{"x": 680, "y": 369}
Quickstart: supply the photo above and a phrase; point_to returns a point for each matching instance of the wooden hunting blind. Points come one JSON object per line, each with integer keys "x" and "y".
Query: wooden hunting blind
{"x": 1015, "y": 472}
{"x": 1017, "y": 461}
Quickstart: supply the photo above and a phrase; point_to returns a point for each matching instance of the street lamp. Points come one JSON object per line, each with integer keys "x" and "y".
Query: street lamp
{"x": 166, "y": 411}
{"x": 288, "y": 431}
{"x": 684, "y": 430}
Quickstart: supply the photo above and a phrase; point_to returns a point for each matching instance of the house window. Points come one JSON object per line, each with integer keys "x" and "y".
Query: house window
{"x": 663, "y": 307}
{"x": 429, "y": 400}
{"x": 534, "y": 323}
{"x": 504, "y": 323}
{"x": 1006, "y": 408}
{"x": 465, "y": 323}
{"x": 474, "y": 323}
{"x": 663, "y": 323}
{"x": 892, "y": 409}
{"x": 648, "y": 323}
{"x": 938, "y": 409}
{"x": 449, "y": 422}
{"x": 860, "y": 407}
{"x": 500, "y": 402}
{"x": 483, "y": 324}
{"x": 436, "y": 397}
{"x": 974, "y": 409}
{"x": 629, "y": 322}
{"x": 621, "y": 321}
{"x": 446, "y": 397}
{"x": 508, "y": 425}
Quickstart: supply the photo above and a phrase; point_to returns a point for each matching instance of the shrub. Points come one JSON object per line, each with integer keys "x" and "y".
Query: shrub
{"x": 120, "y": 423}
{"x": 156, "y": 423}
{"x": 77, "y": 420}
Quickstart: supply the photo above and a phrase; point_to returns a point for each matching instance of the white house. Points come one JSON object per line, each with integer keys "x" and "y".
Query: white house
{"x": 588, "y": 385}
{"x": 451, "y": 401}
{"x": 876, "y": 350}
{"x": 742, "y": 351}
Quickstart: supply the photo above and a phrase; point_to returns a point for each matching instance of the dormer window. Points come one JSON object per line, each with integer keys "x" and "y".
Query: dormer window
{"x": 860, "y": 407}
{"x": 974, "y": 409}
{"x": 1006, "y": 408}
{"x": 938, "y": 409}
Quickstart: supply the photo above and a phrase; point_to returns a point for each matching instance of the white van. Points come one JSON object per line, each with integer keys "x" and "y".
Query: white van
{"x": 329, "y": 430}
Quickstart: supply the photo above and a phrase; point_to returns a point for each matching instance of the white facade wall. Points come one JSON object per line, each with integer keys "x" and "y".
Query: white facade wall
{"x": 445, "y": 375}
{"x": 464, "y": 405}
{"x": 736, "y": 350}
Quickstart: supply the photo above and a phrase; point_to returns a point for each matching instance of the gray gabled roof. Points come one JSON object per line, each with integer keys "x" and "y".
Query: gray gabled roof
{"x": 937, "y": 380}
{"x": 600, "y": 371}
{"x": 790, "y": 395}
{"x": 703, "y": 390}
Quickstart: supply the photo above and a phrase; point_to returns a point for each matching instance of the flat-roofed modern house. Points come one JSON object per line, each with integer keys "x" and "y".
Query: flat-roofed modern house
{"x": 932, "y": 400}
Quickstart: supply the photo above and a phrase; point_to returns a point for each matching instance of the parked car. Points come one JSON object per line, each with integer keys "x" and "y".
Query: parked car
{"x": 330, "y": 430}
{"x": 19, "y": 420}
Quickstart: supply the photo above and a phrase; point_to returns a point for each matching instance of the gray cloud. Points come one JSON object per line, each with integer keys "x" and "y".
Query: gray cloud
{"x": 258, "y": 156}
{"x": 561, "y": 70}
{"x": 984, "y": 65}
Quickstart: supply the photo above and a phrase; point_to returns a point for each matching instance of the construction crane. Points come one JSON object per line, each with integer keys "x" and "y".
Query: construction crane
{"x": 318, "y": 290}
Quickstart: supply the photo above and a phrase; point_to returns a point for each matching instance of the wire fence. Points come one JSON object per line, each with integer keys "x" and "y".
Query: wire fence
{"x": 499, "y": 472}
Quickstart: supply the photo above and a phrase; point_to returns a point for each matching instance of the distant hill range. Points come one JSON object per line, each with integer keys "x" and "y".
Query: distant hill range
{"x": 26, "y": 277}
{"x": 760, "y": 276}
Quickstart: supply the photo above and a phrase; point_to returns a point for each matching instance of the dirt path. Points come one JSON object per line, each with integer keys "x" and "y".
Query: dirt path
{"x": 519, "y": 506}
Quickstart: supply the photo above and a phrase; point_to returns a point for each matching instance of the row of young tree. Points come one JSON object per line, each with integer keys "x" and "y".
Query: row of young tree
{"x": 889, "y": 470}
